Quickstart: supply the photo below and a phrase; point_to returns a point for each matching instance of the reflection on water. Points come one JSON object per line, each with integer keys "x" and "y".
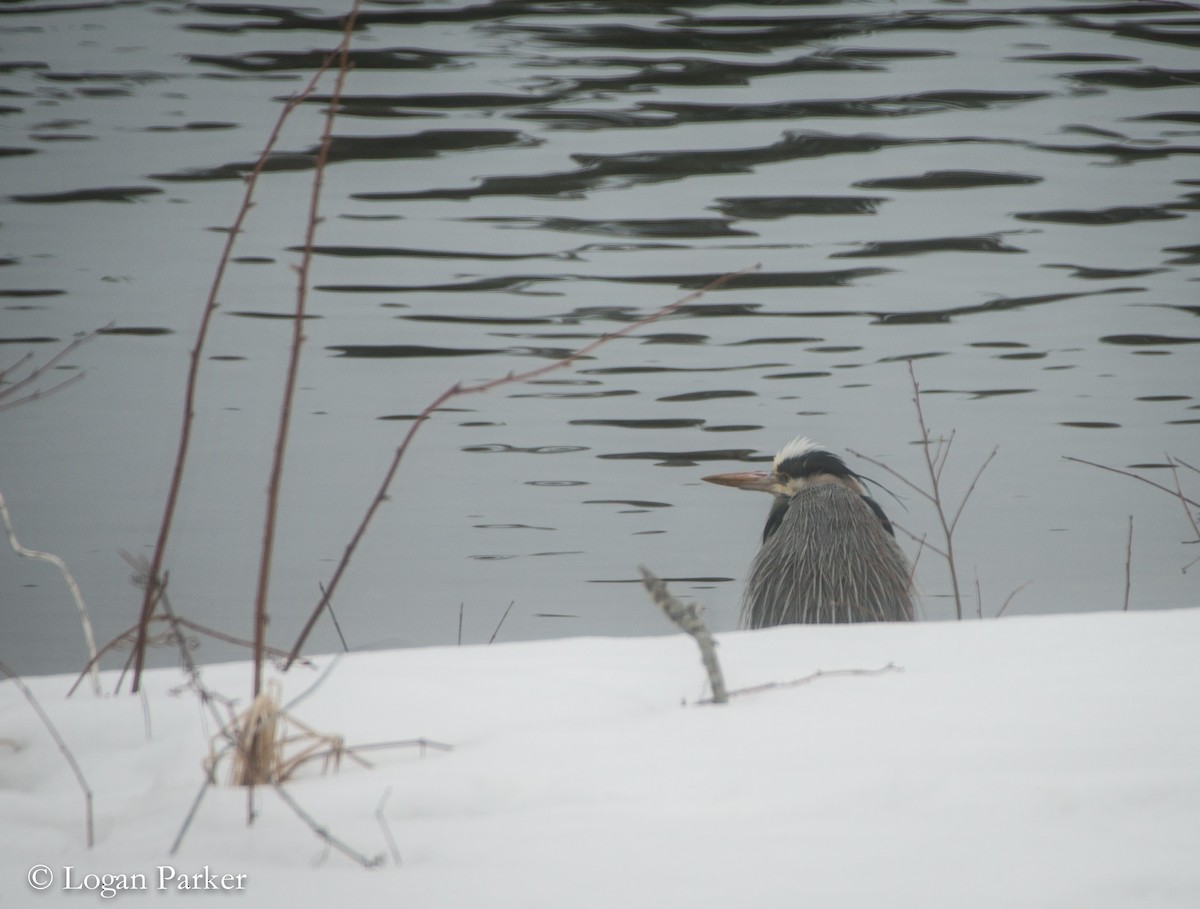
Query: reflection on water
{"x": 1003, "y": 194}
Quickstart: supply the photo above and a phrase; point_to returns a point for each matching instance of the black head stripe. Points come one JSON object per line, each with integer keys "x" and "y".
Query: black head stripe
{"x": 814, "y": 462}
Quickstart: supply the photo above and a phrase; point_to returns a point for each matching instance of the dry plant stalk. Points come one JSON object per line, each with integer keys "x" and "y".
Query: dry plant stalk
{"x": 58, "y": 562}
{"x": 266, "y": 750}
{"x": 210, "y": 306}
{"x": 1187, "y": 503}
{"x": 812, "y": 677}
{"x": 687, "y": 617}
{"x": 89, "y": 826}
{"x": 936, "y": 454}
{"x": 269, "y": 745}
{"x": 293, "y": 367}
{"x": 11, "y": 387}
{"x": 173, "y": 635}
{"x": 454, "y": 391}
{"x": 14, "y": 392}
{"x": 256, "y": 752}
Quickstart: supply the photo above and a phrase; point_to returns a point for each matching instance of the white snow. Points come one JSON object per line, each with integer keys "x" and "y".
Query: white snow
{"x": 1022, "y": 762}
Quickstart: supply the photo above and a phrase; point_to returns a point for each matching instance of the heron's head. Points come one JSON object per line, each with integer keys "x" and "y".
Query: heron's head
{"x": 800, "y": 463}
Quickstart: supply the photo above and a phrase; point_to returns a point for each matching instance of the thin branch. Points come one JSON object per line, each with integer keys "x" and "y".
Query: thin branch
{"x": 919, "y": 490}
{"x": 37, "y": 393}
{"x": 943, "y": 450}
{"x": 9, "y": 391}
{"x": 7, "y": 369}
{"x": 323, "y": 832}
{"x": 386, "y": 828}
{"x": 191, "y": 815}
{"x": 921, "y": 541}
{"x": 337, "y": 626}
{"x": 189, "y": 405}
{"x": 805, "y": 680}
{"x": 457, "y": 389}
{"x": 130, "y": 634}
{"x": 293, "y": 367}
{"x": 1179, "y": 492}
{"x": 1008, "y": 599}
{"x": 970, "y": 489}
{"x": 935, "y": 463}
{"x": 935, "y": 490}
{"x": 1126, "y": 473}
{"x": 1128, "y": 563}
{"x": 492, "y": 639}
{"x": 320, "y": 680}
{"x": 687, "y": 617}
{"x": 423, "y": 744}
{"x": 62, "y": 746}
{"x": 57, "y": 561}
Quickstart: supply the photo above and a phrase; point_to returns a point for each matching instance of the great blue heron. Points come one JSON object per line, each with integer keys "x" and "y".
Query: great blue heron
{"x": 829, "y": 553}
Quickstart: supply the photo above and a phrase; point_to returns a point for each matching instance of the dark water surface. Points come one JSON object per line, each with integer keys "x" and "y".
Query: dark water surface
{"x": 1005, "y": 193}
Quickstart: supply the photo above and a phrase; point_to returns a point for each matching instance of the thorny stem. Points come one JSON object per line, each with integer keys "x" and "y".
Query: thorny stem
{"x": 285, "y": 413}
{"x": 460, "y": 389}
{"x": 185, "y": 431}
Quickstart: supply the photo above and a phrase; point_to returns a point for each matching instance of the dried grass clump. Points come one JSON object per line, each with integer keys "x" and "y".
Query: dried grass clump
{"x": 269, "y": 745}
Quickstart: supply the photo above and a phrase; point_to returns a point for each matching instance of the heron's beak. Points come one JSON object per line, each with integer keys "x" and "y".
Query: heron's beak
{"x": 752, "y": 479}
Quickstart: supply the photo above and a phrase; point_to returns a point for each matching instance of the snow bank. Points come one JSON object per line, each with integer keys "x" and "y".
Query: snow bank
{"x": 1022, "y": 762}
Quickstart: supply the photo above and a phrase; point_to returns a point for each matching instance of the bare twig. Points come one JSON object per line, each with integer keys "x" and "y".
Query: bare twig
{"x": 293, "y": 367}
{"x": 1128, "y": 563}
{"x": 1182, "y": 501}
{"x": 62, "y": 746}
{"x": 210, "y": 306}
{"x": 9, "y": 391}
{"x": 971, "y": 489}
{"x": 1008, "y": 599}
{"x": 934, "y": 493}
{"x": 386, "y": 827}
{"x": 935, "y": 462}
{"x": 337, "y": 626}
{"x": 492, "y": 639}
{"x": 191, "y": 815}
{"x": 687, "y": 617}
{"x": 819, "y": 674}
{"x": 1126, "y": 473}
{"x": 57, "y": 561}
{"x": 130, "y": 634}
{"x": 323, "y": 832}
{"x": 457, "y": 389}
{"x": 1177, "y": 492}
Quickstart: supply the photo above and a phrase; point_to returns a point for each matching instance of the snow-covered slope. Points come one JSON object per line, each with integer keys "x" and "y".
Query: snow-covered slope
{"x": 1021, "y": 762}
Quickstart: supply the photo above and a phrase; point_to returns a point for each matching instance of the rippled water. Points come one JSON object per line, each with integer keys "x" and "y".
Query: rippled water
{"x": 1006, "y": 194}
